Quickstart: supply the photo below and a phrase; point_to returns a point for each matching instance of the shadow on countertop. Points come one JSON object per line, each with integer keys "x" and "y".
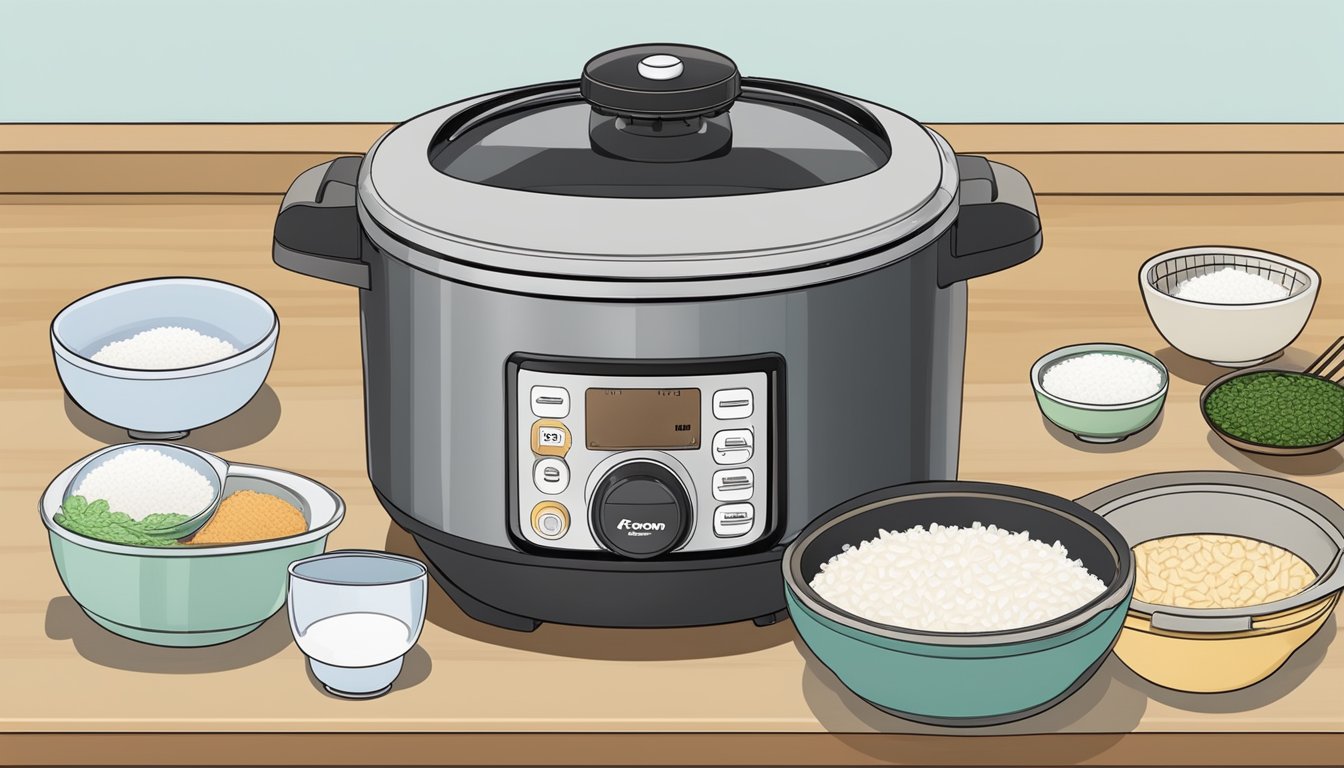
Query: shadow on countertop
{"x": 67, "y": 621}
{"x": 1197, "y": 371}
{"x": 1187, "y": 368}
{"x": 1138, "y": 439}
{"x": 1312, "y": 464}
{"x": 595, "y": 642}
{"x": 248, "y": 425}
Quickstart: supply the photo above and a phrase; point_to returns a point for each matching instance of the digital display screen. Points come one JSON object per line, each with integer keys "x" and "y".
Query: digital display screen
{"x": 624, "y": 419}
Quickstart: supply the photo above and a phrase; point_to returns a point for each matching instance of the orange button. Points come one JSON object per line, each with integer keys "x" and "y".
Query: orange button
{"x": 550, "y": 519}
{"x": 550, "y": 438}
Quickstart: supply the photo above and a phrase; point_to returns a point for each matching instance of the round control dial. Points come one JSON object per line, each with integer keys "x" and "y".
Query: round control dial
{"x": 640, "y": 509}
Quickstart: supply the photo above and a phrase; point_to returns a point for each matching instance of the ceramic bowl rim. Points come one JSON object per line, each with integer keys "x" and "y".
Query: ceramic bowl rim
{"x": 1074, "y": 350}
{"x": 1325, "y": 585}
{"x": 247, "y": 354}
{"x": 1146, "y": 280}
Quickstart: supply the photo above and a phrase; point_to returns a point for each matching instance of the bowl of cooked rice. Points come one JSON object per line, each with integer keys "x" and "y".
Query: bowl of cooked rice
{"x": 164, "y": 356}
{"x": 959, "y": 603}
{"x": 1102, "y": 393}
{"x": 1234, "y": 307}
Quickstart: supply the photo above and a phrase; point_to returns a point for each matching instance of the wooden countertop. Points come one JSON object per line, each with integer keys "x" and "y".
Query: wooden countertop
{"x": 731, "y": 694}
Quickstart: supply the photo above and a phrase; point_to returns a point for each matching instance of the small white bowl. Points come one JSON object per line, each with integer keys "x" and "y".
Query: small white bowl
{"x": 211, "y": 467}
{"x": 164, "y": 404}
{"x": 1230, "y": 335}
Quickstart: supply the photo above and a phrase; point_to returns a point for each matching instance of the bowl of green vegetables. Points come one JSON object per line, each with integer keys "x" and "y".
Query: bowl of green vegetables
{"x": 1278, "y": 412}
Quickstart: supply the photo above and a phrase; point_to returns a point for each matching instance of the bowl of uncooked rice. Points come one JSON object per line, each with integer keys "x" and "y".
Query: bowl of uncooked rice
{"x": 1234, "y": 572}
{"x": 1234, "y": 307}
{"x": 161, "y": 357}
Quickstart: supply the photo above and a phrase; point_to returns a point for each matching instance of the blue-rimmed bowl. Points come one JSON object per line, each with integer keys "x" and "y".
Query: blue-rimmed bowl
{"x": 164, "y": 403}
{"x": 970, "y": 678}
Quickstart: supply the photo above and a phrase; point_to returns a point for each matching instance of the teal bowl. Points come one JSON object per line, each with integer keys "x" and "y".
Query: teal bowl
{"x": 190, "y": 596}
{"x": 972, "y": 678}
{"x": 1099, "y": 423}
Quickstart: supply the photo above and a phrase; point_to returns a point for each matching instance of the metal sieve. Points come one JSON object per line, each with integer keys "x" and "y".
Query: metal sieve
{"x": 1193, "y": 262}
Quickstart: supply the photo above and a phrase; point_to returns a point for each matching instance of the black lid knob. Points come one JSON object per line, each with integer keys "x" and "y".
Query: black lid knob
{"x": 661, "y": 81}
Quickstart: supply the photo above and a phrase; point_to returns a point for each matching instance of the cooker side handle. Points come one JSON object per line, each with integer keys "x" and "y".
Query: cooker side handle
{"x": 997, "y": 227}
{"x": 317, "y": 229}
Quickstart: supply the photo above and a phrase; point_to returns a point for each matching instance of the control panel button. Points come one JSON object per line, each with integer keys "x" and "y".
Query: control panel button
{"x": 551, "y": 476}
{"x": 733, "y": 520}
{"x": 550, "y": 402}
{"x": 550, "y": 438}
{"x": 732, "y": 446}
{"x": 732, "y": 404}
{"x": 550, "y": 519}
{"x": 733, "y": 484}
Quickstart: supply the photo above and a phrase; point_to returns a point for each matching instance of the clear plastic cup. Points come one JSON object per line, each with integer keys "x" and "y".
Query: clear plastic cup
{"x": 355, "y": 614}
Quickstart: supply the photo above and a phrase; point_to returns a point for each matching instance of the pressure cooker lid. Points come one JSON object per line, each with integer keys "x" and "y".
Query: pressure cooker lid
{"x": 658, "y": 125}
{"x": 660, "y": 162}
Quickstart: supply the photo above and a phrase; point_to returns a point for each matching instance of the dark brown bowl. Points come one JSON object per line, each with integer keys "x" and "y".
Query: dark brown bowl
{"x": 1247, "y": 445}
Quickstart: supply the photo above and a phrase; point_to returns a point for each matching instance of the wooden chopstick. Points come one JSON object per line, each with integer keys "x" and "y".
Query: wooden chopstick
{"x": 1327, "y": 357}
{"x": 1337, "y": 369}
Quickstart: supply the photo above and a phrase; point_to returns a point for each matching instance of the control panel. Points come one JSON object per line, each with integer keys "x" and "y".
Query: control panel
{"x": 641, "y": 465}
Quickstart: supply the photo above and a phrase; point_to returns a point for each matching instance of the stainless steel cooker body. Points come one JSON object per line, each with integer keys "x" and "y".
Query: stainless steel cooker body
{"x": 872, "y": 371}
{"x": 597, "y": 405}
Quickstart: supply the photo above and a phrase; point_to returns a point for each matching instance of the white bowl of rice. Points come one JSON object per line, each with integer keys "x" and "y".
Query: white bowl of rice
{"x": 1234, "y": 307}
{"x": 1101, "y": 392}
{"x": 161, "y": 357}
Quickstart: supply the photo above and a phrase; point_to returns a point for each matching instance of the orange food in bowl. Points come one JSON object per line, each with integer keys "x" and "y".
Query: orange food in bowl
{"x": 251, "y": 516}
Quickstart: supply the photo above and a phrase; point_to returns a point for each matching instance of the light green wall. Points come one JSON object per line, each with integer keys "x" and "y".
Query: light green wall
{"x": 948, "y": 60}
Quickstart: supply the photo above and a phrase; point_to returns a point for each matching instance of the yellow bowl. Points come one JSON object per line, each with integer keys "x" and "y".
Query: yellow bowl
{"x": 1205, "y": 650}
{"x": 1203, "y": 663}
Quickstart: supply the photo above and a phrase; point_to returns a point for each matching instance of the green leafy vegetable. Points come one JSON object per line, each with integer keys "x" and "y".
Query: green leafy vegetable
{"x": 96, "y": 520}
{"x": 161, "y": 520}
{"x": 1278, "y": 408}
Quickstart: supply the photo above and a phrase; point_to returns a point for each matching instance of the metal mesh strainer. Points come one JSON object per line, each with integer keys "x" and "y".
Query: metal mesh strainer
{"x": 1166, "y": 275}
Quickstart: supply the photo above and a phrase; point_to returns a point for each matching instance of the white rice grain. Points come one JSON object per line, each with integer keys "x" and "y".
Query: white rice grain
{"x": 164, "y": 348}
{"x": 1101, "y": 378}
{"x": 143, "y": 481}
{"x": 1230, "y": 285}
{"x": 952, "y": 579}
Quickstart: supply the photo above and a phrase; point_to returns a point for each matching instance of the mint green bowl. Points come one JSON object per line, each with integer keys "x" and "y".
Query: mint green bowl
{"x": 1099, "y": 423}
{"x": 971, "y": 678}
{"x": 196, "y": 596}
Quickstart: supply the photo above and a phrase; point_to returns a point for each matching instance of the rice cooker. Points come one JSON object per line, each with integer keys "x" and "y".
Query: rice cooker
{"x": 625, "y": 336}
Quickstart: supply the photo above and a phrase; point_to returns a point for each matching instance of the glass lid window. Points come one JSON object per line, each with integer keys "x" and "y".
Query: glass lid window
{"x": 775, "y": 136}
